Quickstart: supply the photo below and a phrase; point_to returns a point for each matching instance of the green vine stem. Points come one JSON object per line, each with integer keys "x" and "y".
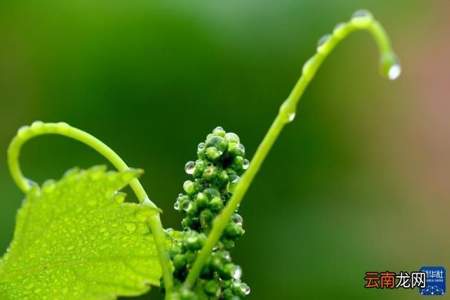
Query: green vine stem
{"x": 390, "y": 68}
{"x": 39, "y": 128}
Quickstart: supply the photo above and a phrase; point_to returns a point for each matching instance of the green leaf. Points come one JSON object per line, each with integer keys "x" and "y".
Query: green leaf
{"x": 78, "y": 239}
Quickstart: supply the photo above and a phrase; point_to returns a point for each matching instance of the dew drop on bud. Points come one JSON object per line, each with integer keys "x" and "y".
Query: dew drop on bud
{"x": 241, "y": 148}
{"x": 394, "y": 71}
{"x": 246, "y": 164}
{"x": 189, "y": 167}
{"x": 245, "y": 289}
{"x": 237, "y": 218}
{"x": 201, "y": 146}
{"x": 189, "y": 207}
{"x": 185, "y": 205}
{"x": 176, "y": 205}
{"x": 232, "y": 137}
{"x": 226, "y": 255}
{"x": 234, "y": 178}
{"x": 237, "y": 273}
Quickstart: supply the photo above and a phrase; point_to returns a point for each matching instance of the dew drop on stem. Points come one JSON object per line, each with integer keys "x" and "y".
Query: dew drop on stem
{"x": 394, "y": 71}
{"x": 339, "y": 29}
{"x": 362, "y": 13}
{"x": 322, "y": 41}
{"x": 291, "y": 117}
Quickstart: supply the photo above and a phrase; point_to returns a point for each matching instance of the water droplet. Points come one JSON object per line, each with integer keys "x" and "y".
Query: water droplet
{"x": 49, "y": 186}
{"x": 71, "y": 172}
{"x": 226, "y": 255}
{"x": 322, "y": 41}
{"x": 361, "y": 19}
{"x": 201, "y": 147}
{"x": 237, "y": 218}
{"x": 22, "y": 132}
{"x": 241, "y": 148}
{"x": 291, "y": 117}
{"x": 394, "y": 71}
{"x": 362, "y": 13}
{"x": 308, "y": 67}
{"x": 185, "y": 205}
{"x": 339, "y": 29}
{"x": 246, "y": 164}
{"x": 36, "y": 125}
{"x": 189, "y": 187}
{"x": 130, "y": 227}
{"x": 219, "y": 131}
{"x": 119, "y": 197}
{"x": 176, "y": 205}
{"x": 213, "y": 153}
{"x": 63, "y": 127}
{"x": 189, "y": 167}
{"x": 234, "y": 178}
{"x": 237, "y": 273}
{"x": 245, "y": 289}
{"x": 189, "y": 207}
{"x": 232, "y": 137}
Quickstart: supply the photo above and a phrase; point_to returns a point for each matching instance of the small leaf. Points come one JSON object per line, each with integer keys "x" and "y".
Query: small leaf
{"x": 76, "y": 239}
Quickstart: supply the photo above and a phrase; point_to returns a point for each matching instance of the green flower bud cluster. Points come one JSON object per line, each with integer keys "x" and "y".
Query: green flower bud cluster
{"x": 213, "y": 177}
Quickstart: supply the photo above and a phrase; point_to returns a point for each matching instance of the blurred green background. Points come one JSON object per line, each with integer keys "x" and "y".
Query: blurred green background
{"x": 359, "y": 182}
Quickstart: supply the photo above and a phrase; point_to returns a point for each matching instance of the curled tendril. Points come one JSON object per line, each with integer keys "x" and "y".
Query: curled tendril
{"x": 39, "y": 128}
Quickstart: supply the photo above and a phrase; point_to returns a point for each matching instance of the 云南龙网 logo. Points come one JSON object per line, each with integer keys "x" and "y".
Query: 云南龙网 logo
{"x": 429, "y": 280}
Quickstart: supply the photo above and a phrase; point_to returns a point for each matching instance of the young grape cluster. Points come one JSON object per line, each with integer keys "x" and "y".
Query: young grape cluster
{"x": 220, "y": 163}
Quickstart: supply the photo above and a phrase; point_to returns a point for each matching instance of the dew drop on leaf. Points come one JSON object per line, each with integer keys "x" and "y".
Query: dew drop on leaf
{"x": 130, "y": 227}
